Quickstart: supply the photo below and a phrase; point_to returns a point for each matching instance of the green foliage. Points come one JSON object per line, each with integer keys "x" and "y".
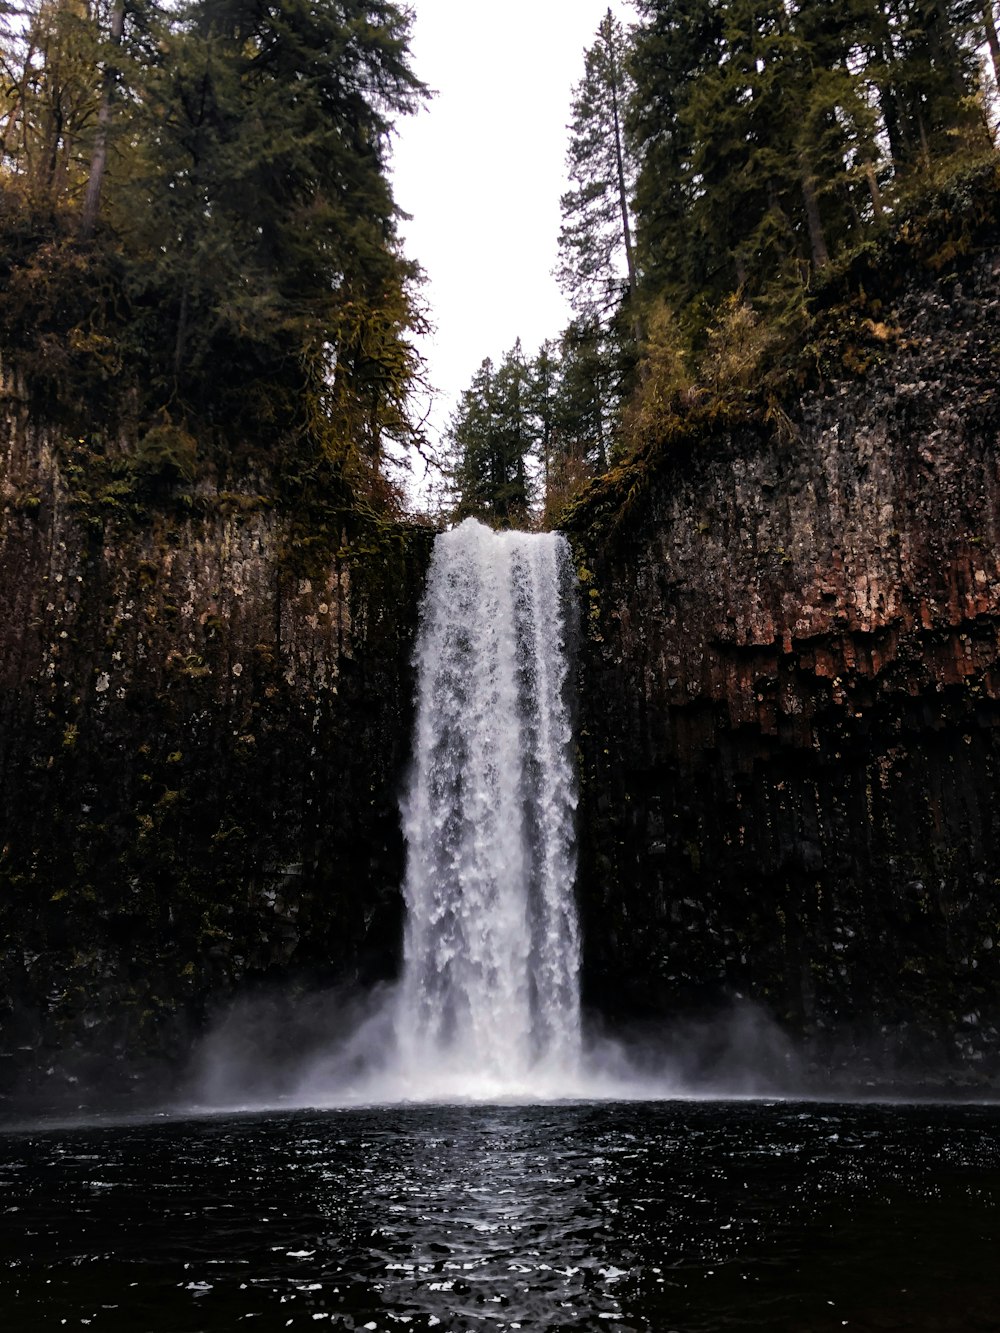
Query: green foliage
{"x": 776, "y": 143}
{"x": 167, "y": 451}
{"x": 772, "y": 137}
{"x": 492, "y": 434}
{"x": 533, "y": 432}
{"x": 754, "y": 364}
{"x": 666, "y": 377}
{"x": 738, "y": 343}
{"x": 596, "y": 267}
{"x": 767, "y": 144}
{"x": 245, "y": 279}
{"x": 50, "y": 95}
{"x": 588, "y": 393}
{"x": 589, "y": 373}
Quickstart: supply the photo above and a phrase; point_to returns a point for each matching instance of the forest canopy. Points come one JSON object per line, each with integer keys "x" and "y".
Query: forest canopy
{"x": 725, "y": 157}
{"x": 199, "y": 242}
{"x": 197, "y": 228}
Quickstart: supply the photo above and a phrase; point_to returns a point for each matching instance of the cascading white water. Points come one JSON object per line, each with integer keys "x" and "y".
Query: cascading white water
{"x": 488, "y": 1004}
{"x": 489, "y": 998}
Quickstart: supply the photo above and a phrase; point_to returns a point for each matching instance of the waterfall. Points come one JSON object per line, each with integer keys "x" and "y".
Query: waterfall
{"x": 489, "y": 997}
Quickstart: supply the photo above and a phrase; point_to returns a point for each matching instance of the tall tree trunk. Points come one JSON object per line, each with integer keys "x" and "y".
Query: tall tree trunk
{"x": 520, "y": 476}
{"x": 925, "y": 147}
{"x": 543, "y": 368}
{"x": 944, "y": 47}
{"x": 900, "y": 148}
{"x": 992, "y": 40}
{"x": 99, "y": 161}
{"x": 608, "y": 32}
{"x": 894, "y": 115}
{"x": 817, "y": 240}
{"x": 55, "y": 147}
{"x": 868, "y": 162}
{"x": 181, "y": 338}
{"x": 873, "y": 187}
{"x": 602, "y": 453}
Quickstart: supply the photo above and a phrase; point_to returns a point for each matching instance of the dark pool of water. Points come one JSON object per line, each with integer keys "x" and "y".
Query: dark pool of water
{"x": 777, "y": 1217}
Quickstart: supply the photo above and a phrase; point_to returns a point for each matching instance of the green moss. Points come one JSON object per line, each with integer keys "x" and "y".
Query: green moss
{"x": 191, "y": 665}
{"x": 240, "y": 502}
{"x": 166, "y": 452}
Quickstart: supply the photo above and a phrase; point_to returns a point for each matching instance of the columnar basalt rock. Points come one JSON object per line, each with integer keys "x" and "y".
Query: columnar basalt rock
{"x": 790, "y": 708}
{"x": 203, "y": 734}
{"x": 789, "y": 726}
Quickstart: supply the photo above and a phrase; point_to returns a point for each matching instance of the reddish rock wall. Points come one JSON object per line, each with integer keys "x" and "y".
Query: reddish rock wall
{"x": 790, "y": 708}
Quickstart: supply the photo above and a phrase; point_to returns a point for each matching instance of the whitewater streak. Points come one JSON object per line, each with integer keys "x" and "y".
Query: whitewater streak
{"x": 487, "y": 1008}
{"x": 489, "y": 1000}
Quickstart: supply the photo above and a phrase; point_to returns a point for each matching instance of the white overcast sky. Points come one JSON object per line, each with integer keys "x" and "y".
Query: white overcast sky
{"x": 481, "y": 170}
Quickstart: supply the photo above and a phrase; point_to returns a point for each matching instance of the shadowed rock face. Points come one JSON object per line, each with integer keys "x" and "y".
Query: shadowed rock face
{"x": 789, "y": 713}
{"x": 790, "y": 708}
{"x": 202, "y": 738}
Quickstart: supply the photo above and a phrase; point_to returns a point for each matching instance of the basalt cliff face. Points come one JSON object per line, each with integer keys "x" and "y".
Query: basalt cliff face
{"x": 789, "y": 725}
{"x": 790, "y": 707}
{"x": 202, "y": 736}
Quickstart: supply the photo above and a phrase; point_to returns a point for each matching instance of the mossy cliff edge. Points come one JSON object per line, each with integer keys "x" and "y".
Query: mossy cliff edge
{"x": 205, "y": 711}
{"x": 790, "y": 681}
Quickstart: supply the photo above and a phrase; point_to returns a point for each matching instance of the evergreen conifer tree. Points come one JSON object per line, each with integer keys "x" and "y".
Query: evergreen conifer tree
{"x": 587, "y": 395}
{"x": 51, "y": 95}
{"x": 674, "y": 45}
{"x": 263, "y": 205}
{"x": 492, "y": 435}
{"x": 771, "y": 134}
{"x": 225, "y": 164}
{"x": 597, "y": 261}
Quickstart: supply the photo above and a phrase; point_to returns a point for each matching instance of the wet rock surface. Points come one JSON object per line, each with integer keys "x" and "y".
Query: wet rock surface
{"x": 790, "y": 698}
{"x": 201, "y": 747}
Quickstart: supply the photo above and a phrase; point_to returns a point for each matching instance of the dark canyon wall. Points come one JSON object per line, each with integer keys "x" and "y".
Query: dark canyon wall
{"x": 789, "y": 712}
{"x": 791, "y": 706}
{"x": 205, "y": 704}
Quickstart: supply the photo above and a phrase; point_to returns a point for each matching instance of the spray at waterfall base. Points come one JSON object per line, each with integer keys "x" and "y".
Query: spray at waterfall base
{"x": 488, "y": 1004}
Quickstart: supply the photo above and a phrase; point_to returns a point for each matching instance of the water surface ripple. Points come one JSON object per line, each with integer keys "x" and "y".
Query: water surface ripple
{"x": 706, "y": 1216}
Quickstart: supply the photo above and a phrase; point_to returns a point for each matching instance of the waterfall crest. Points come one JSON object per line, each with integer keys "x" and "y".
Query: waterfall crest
{"x": 489, "y": 998}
